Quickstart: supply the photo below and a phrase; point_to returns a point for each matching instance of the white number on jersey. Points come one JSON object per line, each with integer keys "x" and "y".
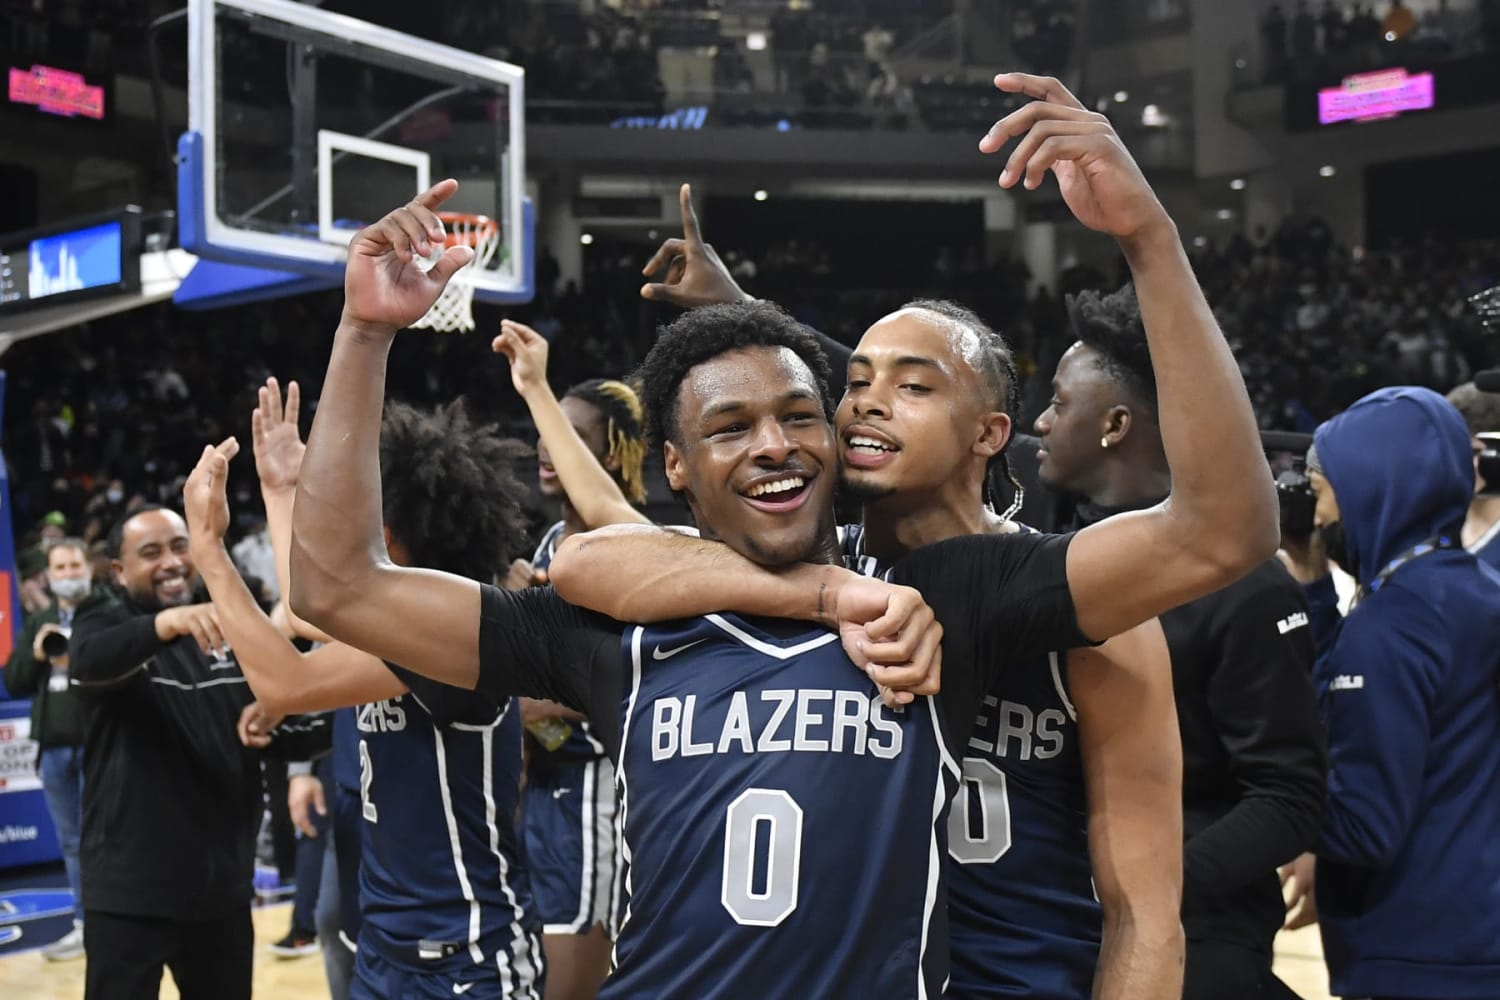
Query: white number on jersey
{"x": 778, "y": 814}
{"x": 366, "y": 775}
{"x": 984, "y": 838}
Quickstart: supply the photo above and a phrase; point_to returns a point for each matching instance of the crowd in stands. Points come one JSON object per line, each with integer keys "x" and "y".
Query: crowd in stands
{"x": 114, "y": 413}
{"x": 1307, "y": 43}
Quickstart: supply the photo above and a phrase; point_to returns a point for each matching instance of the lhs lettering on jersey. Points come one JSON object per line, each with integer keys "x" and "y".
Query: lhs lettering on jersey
{"x": 381, "y": 717}
{"x": 1011, "y": 730}
{"x": 809, "y": 720}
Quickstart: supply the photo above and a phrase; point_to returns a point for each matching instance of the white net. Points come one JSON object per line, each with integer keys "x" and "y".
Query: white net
{"x": 454, "y": 308}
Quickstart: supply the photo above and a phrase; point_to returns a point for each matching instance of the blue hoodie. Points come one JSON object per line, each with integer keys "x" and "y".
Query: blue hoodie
{"x": 1408, "y": 880}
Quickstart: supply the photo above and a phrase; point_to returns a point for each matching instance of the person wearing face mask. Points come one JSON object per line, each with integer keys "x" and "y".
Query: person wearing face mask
{"x": 1406, "y": 881}
{"x": 38, "y": 669}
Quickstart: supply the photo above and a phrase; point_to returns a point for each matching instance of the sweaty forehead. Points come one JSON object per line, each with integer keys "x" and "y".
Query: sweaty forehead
{"x": 951, "y": 345}
{"x": 749, "y": 376}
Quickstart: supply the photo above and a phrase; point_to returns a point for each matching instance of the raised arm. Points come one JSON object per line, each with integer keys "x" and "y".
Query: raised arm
{"x": 591, "y": 490}
{"x": 1132, "y": 761}
{"x": 278, "y": 460}
{"x": 1220, "y": 520}
{"x": 285, "y": 681}
{"x": 342, "y": 577}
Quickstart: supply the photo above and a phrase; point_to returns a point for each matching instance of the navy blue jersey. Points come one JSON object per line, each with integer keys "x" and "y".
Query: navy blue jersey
{"x": 1487, "y": 546}
{"x": 785, "y": 831}
{"x": 441, "y": 884}
{"x": 581, "y": 745}
{"x": 345, "y": 757}
{"x": 1025, "y": 920}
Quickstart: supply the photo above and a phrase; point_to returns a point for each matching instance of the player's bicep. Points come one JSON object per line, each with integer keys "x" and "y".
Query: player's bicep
{"x": 425, "y": 620}
{"x": 1129, "y": 568}
{"x": 335, "y": 676}
{"x": 1131, "y": 751}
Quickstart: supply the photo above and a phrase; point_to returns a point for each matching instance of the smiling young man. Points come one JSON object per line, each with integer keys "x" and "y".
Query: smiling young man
{"x": 758, "y": 769}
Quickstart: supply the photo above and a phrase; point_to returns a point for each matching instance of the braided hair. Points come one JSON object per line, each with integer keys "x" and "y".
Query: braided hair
{"x": 624, "y": 431}
{"x": 997, "y": 372}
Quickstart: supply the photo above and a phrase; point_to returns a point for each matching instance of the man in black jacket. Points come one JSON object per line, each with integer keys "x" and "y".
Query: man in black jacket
{"x": 172, "y": 798}
{"x": 1254, "y": 767}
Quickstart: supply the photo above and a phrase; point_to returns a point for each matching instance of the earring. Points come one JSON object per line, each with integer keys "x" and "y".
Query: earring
{"x": 1104, "y": 442}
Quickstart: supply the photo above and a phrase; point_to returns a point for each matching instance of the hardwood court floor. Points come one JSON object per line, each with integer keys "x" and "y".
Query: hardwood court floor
{"x": 27, "y": 976}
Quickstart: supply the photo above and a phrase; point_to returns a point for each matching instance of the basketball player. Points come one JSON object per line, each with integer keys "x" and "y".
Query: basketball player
{"x": 590, "y": 449}
{"x": 1241, "y": 658}
{"x": 444, "y": 899}
{"x": 735, "y": 392}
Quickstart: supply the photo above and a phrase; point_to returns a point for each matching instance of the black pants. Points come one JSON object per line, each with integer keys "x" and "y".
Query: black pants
{"x": 1220, "y": 971}
{"x": 209, "y": 959}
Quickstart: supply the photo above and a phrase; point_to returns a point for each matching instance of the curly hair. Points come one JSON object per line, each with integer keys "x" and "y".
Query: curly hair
{"x": 1110, "y": 325}
{"x": 450, "y": 491}
{"x": 703, "y": 334}
{"x": 624, "y": 430}
{"x": 997, "y": 365}
{"x": 1480, "y": 410}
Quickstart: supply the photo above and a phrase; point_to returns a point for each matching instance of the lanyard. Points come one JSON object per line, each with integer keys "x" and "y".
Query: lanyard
{"x": 1435, "y": 544}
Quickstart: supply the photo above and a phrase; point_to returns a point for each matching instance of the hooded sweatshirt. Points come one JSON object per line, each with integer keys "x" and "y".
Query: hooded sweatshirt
{"x": 1408, "y": 878}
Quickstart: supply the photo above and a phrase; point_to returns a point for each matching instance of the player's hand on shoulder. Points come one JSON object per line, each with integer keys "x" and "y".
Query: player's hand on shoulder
{"x": 1098, "y": 178}
{"x": 200, "y": 621}
{"x": 277, "y": 443}
{"x": 388, "y": 284}
{"x": 695, "y": 276}
{"x": 889, "y": 632}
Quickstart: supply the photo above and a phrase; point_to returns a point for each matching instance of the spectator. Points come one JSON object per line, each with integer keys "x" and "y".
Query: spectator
{"x": 1304, "y": 37}
{"x": 1334, "y": 28}
{"x": 1481, "y": 413}
{"x": 38, "y": 669}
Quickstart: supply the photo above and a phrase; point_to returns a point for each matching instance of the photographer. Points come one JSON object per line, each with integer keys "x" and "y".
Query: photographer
{"x": 38, "y": 669}
{"x": 1407, "y": 875}
{"x": 1481, "y": 412}
{"x": 1253, "y": 762}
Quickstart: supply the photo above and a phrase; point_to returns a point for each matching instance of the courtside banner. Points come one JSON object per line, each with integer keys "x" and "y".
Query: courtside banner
{"x": 10, "y": 590}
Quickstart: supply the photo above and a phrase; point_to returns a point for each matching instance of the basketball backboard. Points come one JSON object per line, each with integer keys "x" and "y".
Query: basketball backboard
{"x": 305, "y": 125}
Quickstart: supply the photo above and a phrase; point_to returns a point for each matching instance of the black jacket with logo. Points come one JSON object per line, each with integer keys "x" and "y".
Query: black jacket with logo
{"x": 172, "y": 801}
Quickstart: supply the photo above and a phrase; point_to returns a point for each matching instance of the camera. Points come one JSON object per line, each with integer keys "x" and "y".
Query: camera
{"x": 1287, "y": 453}
{"x": 55, "y": 644}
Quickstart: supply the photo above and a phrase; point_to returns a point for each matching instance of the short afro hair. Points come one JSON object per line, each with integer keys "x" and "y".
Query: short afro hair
{"x": 624, "y": 430}
{"x": 450, "y": 492}
{"x": 114, "y": 542}
{"x": 997, "y": 366}
{"x": 701, "y": 335}
{"x": 1480, "y": 410}
{"x": 1110, "y": 325}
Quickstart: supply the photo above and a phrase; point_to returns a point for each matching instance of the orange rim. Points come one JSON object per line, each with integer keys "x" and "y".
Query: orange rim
{"x": 466, "y": 229}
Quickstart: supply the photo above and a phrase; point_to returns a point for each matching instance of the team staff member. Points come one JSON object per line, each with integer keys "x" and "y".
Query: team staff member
{"x": 172, "y": 800}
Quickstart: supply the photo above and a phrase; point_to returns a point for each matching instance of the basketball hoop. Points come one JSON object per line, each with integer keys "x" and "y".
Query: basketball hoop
{"x": 454, "y": 309}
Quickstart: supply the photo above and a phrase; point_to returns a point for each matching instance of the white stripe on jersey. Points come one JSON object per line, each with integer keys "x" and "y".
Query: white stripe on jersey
{"x": 200, "y": 685}
{"x": 458, "y": 854}
{"x": 635, "y": 690}
{"x": 761, "y": 646}
{"x": 1062, "y": 691}
{"x": 934, "y": 849}
{"x": 524, "y": 973}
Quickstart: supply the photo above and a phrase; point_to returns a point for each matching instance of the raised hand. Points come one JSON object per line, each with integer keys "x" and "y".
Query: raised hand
{"x": 278, "y": 446}
{"x": 1098, "y": 178}
{"x": 205, "y": 500}
{"x": 695, "y": 276}
{"x": 527, "y": 352}
{"x": 384, "y": 289}
{"x": 200, "y": 621}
